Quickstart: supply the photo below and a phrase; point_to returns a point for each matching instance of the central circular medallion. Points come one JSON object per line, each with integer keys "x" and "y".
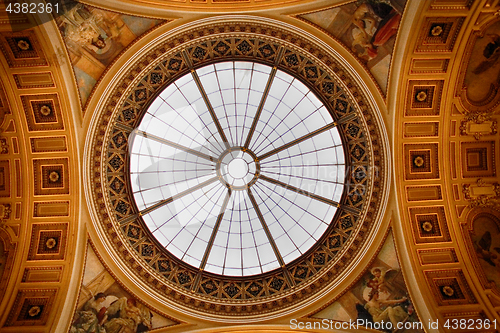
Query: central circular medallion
{"x": 238, "y": 168}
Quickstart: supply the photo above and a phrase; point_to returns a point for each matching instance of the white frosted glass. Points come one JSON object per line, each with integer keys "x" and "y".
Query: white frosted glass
{"x": 178, "y": 146}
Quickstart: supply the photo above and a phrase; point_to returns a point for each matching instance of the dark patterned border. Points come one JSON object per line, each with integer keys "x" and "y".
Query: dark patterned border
{"x": 274, "y": 290}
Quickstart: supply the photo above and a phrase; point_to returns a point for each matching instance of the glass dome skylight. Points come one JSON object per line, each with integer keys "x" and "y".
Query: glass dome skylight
{"x": 237, "y": 168}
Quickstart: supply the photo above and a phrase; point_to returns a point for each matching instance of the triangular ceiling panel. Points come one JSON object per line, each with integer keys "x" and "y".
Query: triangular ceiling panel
{"x": 105, "y": 306}
{"x": 95, "y": 37}
{"x": 368, "y": 28}
{"x": 379, "y": 295}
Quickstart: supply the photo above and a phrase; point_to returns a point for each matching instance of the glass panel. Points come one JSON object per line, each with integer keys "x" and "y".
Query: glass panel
{"x": 179, "y": 164}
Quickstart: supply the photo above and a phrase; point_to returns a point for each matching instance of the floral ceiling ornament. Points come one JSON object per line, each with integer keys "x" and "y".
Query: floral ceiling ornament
{"x": 45, "y": 110}
{"x": 23, "y": 45}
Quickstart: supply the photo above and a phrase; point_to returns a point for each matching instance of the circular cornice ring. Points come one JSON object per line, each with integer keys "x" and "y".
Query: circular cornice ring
{"x": 116, "y": 218}
{"x": 159, "y": 7}
{"x": 252, "y": 158}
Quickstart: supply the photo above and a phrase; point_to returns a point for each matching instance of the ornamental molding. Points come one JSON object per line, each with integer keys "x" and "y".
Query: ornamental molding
{"x": 121, "y": 230}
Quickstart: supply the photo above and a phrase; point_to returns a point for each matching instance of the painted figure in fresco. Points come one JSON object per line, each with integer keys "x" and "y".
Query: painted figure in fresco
{"x": 83, "y": 28}
{"x": 378, "y": 281}
{"x": 385, "y": 298}
{"x": 381, "y": 281}
{"x": 93, "y": 31}
{"x": 376, "y": 22}
{"x": 491, "y": 52}
{"x": 484, "y": 251}
{"x": 90, "y": 316}
{"x": 126, "y": 316}
{"x": 379, "y": 313}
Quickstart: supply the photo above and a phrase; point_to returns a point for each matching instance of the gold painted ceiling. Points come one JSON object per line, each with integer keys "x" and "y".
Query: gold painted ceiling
{"x": 413, "y": 87}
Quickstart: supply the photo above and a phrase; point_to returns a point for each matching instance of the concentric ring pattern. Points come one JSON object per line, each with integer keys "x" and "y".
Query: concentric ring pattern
{"x": 237, "y": 168}
{"x": 234, "y": 161}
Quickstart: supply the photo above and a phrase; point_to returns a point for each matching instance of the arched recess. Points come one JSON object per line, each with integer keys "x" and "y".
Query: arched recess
{"x": 477, "y": 84}
{"x": 481, "y": 233}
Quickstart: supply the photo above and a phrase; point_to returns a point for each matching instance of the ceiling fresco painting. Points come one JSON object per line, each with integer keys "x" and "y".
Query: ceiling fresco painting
{"x": 368, "y": 28}
{"x": 95, "y": 37}
{"x": 482, "y": 234}
{"x": 480, "y": 87}
{"x": 379, "y": 295}
{"x": 106, "y": 307}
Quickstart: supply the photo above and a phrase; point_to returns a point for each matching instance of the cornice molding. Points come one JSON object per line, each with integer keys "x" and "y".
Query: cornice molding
{"x": 161, "y": 48}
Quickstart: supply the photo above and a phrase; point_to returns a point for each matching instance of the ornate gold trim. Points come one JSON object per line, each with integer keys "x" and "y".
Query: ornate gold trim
{"x": 115, "y": 214}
